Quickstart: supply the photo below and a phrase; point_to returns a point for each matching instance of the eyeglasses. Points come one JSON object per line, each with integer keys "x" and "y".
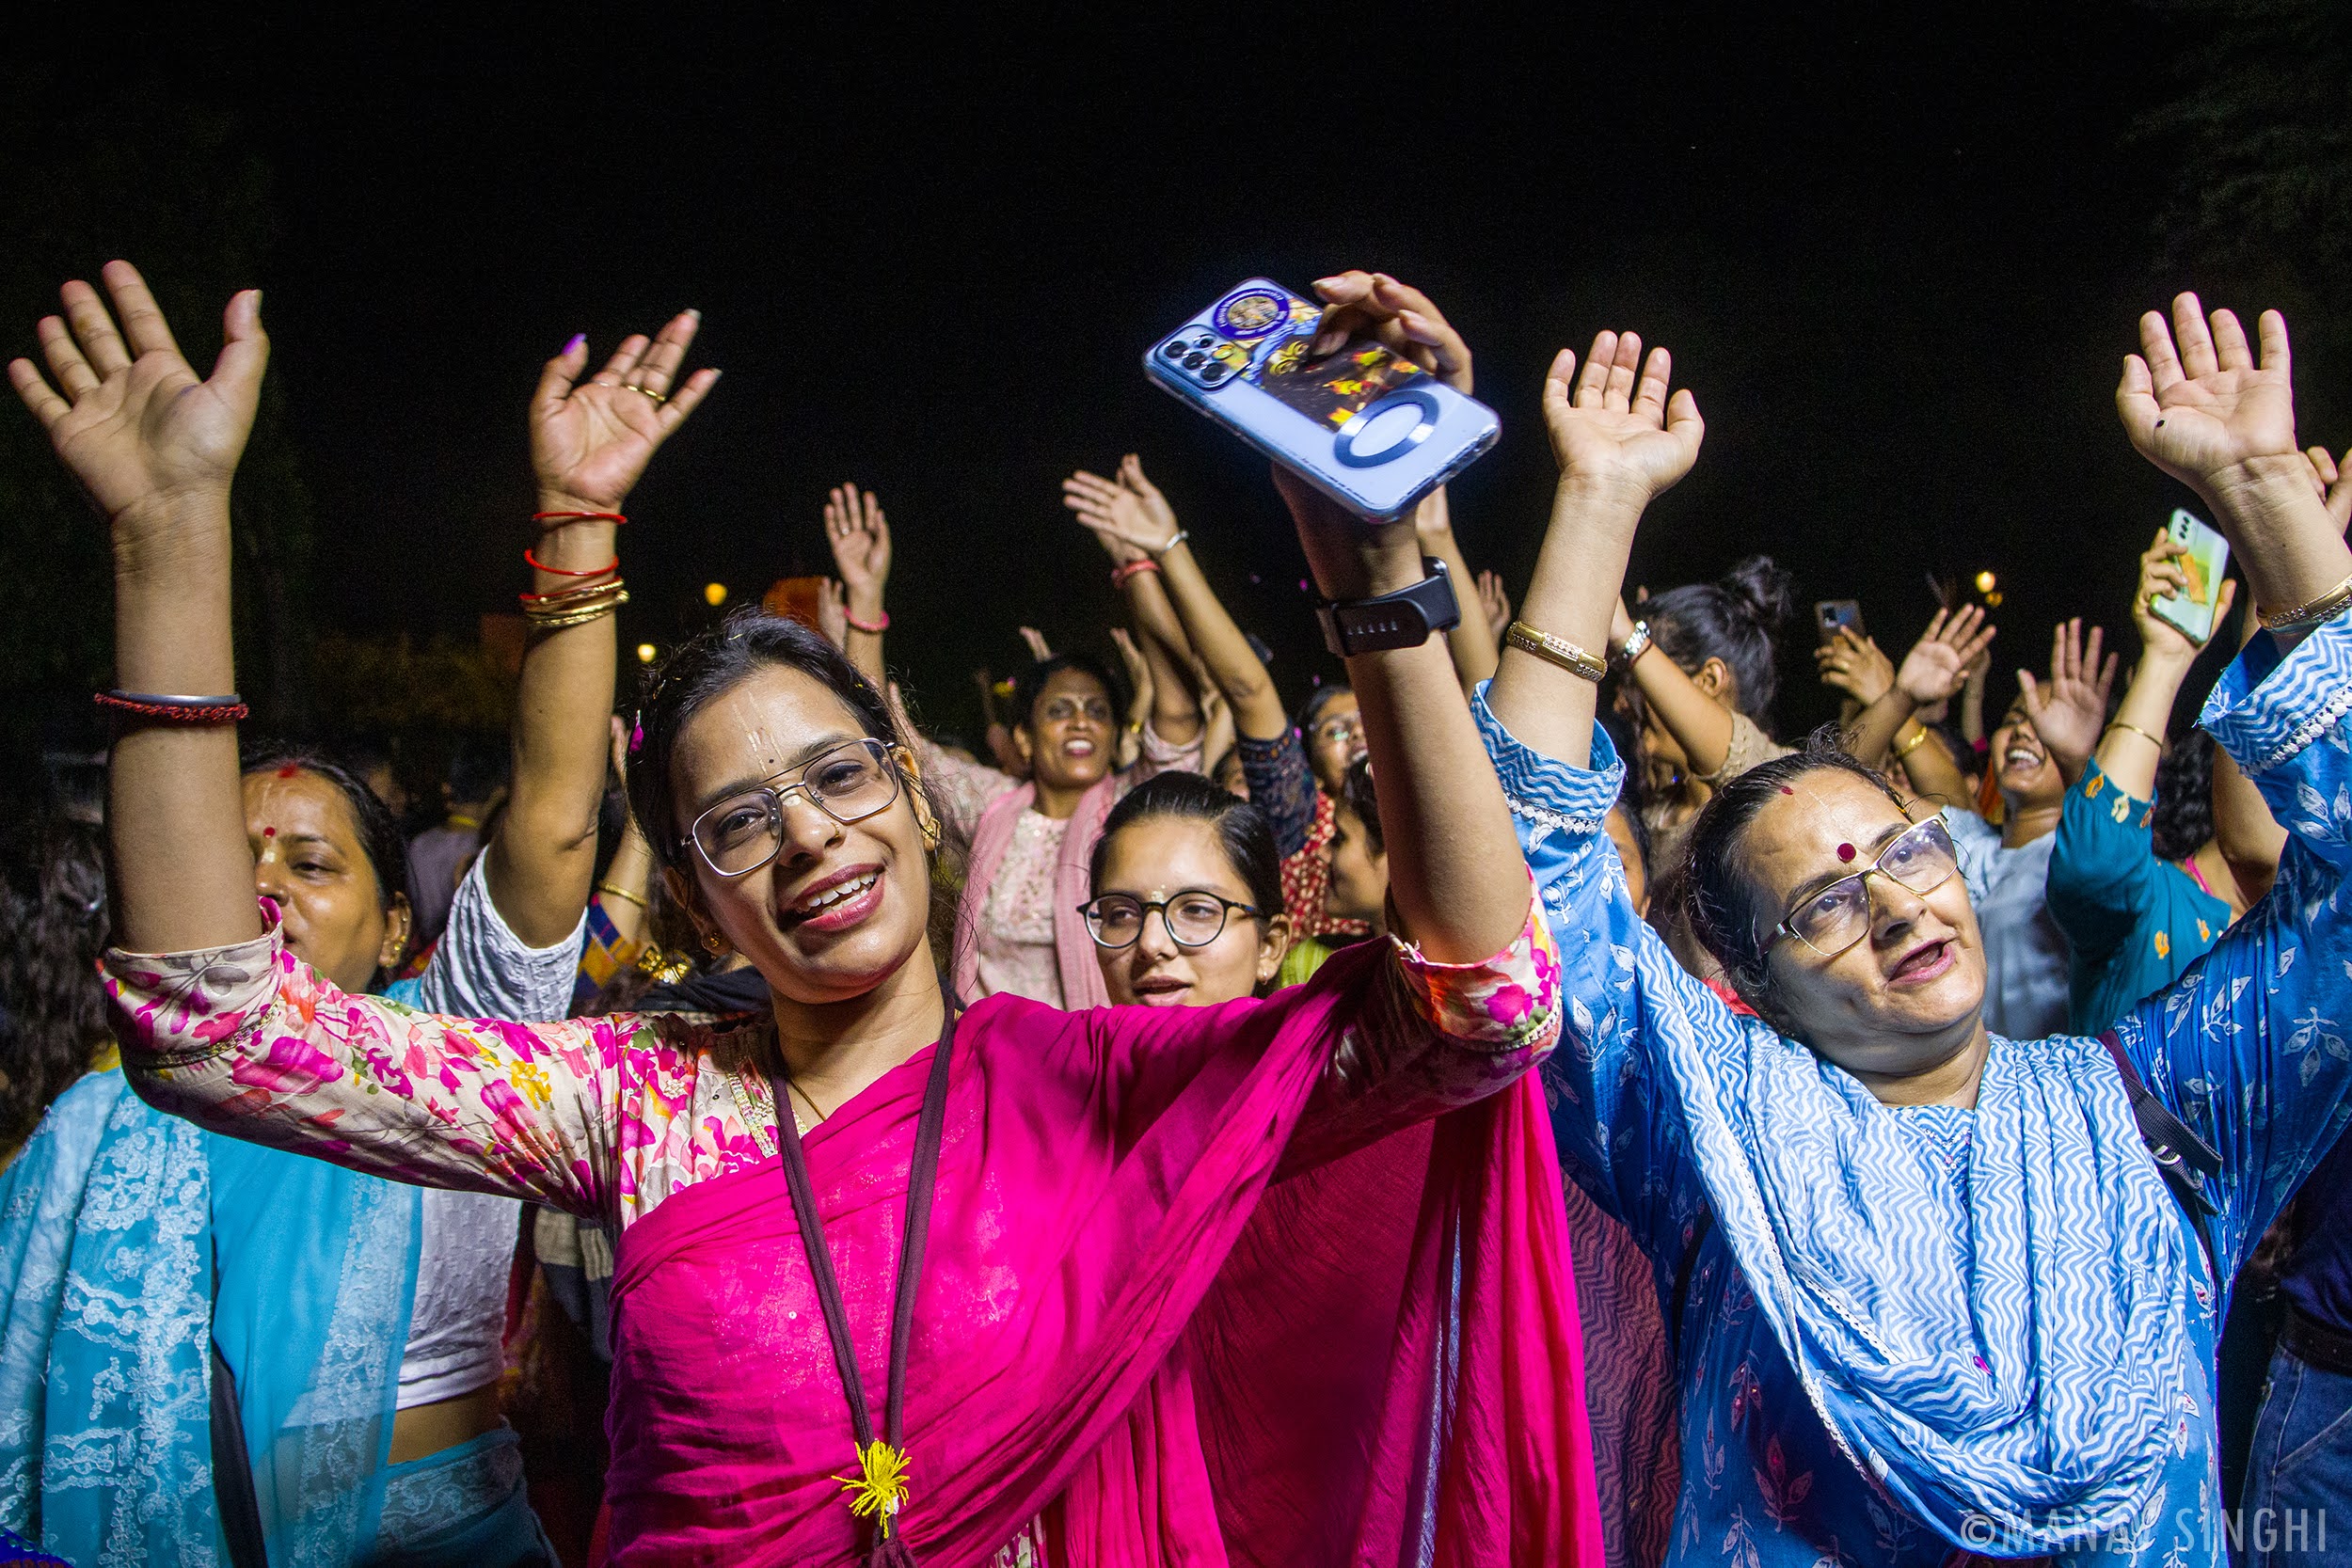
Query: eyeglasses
{"x": 1920, "y": 858}
{"x": 1347, "y": 727}
{"x": 1061, "y": 710}
{"x": 1195, "y": 918}
{"x": 743, "y": 832}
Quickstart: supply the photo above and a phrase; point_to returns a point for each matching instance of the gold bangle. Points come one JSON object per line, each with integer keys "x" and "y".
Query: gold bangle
{"x": 1554, "y": 649}
{"x": 1913, "y": 744}
{"x": 579, "y": 617}
{"x": 624, "y": 893}
{"x": 2157, "y": 741}
{"x": 2309, "y": 614}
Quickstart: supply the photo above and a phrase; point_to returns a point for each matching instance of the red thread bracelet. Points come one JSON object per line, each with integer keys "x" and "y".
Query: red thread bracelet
{"x": 613, "y": 518}
{"x": 176, "y": 710}
{"x": 872, "y": 629}
{"x": 538, "y": 564}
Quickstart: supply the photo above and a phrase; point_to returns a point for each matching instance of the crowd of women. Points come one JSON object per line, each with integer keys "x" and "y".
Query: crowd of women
{"x": 1460, "y": 1120}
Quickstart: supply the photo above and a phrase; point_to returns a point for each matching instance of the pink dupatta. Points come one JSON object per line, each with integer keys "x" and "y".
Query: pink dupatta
{"x": 1080, "y": 1341}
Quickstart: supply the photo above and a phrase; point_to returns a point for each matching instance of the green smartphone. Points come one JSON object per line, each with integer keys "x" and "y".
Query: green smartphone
{"x": 2205, "y": 564}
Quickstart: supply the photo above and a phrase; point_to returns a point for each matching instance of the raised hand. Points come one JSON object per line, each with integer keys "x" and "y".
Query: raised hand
{"x": 1937, "y": 665}
{"x": 833, "y": 613}
{"x": 590, "y": 442}
{"x": 1035, "y": 641}
{"x": 1374, "y": 305}
{"x": 1855, "y": 666}
{"x": 2159, "y": 576}
{"x": 1613, "y": 427}
{"x": 1495, "y": 601}
{"x": 2070, "y": 710}
{"x": 2333, "y": 480}
{"x": 1127, "y": 525}
{"x": 134, "y": 424}
{"x": 860, "y": 537}
{"x": 1131, "y": 659}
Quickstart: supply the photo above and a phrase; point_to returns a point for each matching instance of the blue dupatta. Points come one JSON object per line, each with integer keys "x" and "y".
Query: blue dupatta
{"x": 110, "y": 1223}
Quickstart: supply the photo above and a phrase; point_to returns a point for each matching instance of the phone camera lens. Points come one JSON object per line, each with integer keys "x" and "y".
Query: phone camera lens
{"x": 1194, "y": 362}
{"x": 1175, "y": 349}
{"x": 1215, "y": 372}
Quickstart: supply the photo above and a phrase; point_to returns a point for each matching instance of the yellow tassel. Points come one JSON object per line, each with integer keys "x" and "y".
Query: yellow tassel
{"x": 878, "y": 1491}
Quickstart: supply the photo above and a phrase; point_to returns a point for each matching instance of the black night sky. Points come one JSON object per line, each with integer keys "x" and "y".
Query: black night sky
{"x": 1898, "y": 259}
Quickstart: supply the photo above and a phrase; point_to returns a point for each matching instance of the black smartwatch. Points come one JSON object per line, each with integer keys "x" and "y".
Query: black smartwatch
{"x": 1403, "y": 619}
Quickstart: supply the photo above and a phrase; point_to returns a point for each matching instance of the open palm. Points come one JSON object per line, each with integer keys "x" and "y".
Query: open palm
{"x": 2208, "y": 406}
{"x": 1613, "y": 424}
{"x": 1125, "y": 522}
{"x": 2070, "y": 709}
{"x": 590, "y": 443}
{"x": 134, "y": 424}
{"x": 859, "y": 536}
{"x": 1937, "y": 665}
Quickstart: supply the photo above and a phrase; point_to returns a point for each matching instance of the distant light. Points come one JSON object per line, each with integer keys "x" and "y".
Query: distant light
{"x": 714, "y": 593}
{"x": 647, "y": 652}
{"x": 1985, "y": 582}
{"x": 1993, "y": 599}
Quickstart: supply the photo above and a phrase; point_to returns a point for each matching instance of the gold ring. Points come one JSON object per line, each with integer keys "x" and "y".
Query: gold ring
{"x": 650, "y": 392}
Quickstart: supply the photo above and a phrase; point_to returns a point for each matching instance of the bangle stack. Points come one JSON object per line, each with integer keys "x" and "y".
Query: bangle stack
{"x": 2311, "y": 612}
{"x": 176, "y": 710}
{"x": 595, "y": 594}
{"x": 1555, "y": 650}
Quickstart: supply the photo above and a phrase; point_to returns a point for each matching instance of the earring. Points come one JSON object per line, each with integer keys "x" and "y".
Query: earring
{"x": 931, "y": 833}
{"x": 715, "y": 943}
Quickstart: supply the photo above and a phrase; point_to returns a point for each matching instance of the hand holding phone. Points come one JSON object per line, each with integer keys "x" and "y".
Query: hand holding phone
{"x": 1343, "y": 403}
{"x": 1831, "y": 615}
{"x": 2203, "y": 562}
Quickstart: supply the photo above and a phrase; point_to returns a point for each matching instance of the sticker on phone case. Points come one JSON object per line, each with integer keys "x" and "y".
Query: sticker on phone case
{"x": 1251, "y": 312}
{"x": 1337, "y": 387}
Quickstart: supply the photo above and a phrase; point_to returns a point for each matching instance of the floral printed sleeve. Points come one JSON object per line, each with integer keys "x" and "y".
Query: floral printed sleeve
{"x": 2249, "y": 1047}
{"x": 249, "y": 1041}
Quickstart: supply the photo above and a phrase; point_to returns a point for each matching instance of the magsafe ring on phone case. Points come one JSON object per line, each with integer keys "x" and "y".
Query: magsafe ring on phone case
{"x": 1387, "y": 418}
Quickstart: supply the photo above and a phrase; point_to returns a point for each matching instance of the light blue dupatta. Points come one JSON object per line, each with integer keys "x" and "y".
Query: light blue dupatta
{"x": 109, "y": 1224}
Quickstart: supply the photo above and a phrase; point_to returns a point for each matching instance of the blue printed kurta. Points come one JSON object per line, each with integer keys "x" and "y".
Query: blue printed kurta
{"x": 2243, "y": 1046}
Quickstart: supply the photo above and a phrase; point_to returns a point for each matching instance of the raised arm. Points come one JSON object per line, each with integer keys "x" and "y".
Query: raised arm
{"x": 1472, "y": 638}
{"x": 1135, "y": 522}
{"x": 1935, "y": 668}
{"x": 2134, "y": 738}
{"x": 1620, "y": 441}
{"x": 2245, "y": 1045}
{"x": 860, "y": 537}
{"x": 590, "y": 443}
{"x": 155, "y": 448}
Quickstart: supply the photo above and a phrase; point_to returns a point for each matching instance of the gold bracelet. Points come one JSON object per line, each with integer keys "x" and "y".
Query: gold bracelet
{"x": 2310, "y": 614}
{"x": 1566, "y": 655}
{"x": 1913, "y": 744}
{"x": 2157, "y": 741}
{"x": 577, "y": 617}
{"x": 624, "y": 893}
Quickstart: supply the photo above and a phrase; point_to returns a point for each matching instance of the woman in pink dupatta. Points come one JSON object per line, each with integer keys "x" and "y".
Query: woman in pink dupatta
{"x": 1092, "y": 1169}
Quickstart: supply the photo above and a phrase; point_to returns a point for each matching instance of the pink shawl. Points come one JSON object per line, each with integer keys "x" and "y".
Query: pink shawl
{"x": 1389, "y": 1360}
{"x": 1073, "y": 949}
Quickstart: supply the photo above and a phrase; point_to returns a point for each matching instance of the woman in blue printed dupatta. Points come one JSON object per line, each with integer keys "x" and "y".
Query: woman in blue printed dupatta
{"x": 360, "y": 1318}
{"x": 1927, "y": 1287}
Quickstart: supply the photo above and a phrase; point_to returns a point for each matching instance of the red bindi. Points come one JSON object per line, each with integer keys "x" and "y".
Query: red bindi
{"x": 1785, "y": 790}
{"x": 1845, "y": 851}
{"x": 269, "y": 833}
{"x": 288, "y": 771}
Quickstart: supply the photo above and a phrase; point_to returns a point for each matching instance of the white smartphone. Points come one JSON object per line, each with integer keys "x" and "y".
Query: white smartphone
{"x": 2205, "y": 564}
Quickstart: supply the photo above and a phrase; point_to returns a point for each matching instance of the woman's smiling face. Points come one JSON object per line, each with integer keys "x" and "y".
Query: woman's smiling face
{"x": 841, "y": 905}
{"x": 1066, "y": 738}
{"x": 1156, "y": 859}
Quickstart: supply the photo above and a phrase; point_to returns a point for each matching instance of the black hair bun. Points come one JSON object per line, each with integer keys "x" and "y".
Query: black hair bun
{"x": 1761, "y": 592}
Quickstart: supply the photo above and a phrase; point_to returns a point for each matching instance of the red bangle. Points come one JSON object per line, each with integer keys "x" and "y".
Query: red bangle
{"x": 613, "y": 518}
{"x": 537, "y": 564}
{"x": 176, "y": 710}
{"x": 872, "y": 629}
{"x": 1120, "y": 574}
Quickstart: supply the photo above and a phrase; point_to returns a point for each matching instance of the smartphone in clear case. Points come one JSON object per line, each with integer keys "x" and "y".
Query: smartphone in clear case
{"x": 2207, "y": 562}
{"x": 1371, "y": 430}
